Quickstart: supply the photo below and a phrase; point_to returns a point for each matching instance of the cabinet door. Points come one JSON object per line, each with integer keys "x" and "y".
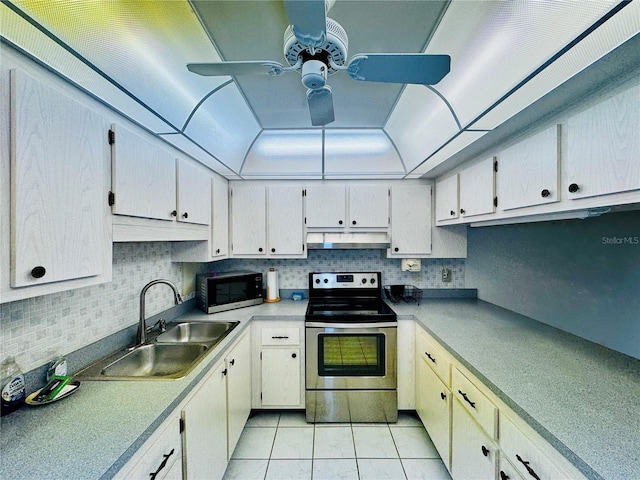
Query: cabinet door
{"x": 205, "y": 428}
{"x": 220, "y": 217}
{"x": 326, "y": 206}
{"x": 477, "y": 189}
{"x": 285, "y": 230}
{"x": 604, "y": 147}
{"x": 58, "y": 220}
{"x": 248, "y": 220}
{"x": 369, "y": 206}
{"x": 238, "y": 389}
{"x": 281, "y": 377}
{"x": 528, "y": 171}
{"x": 447, "y": 199}
{"x": 194, "y": 193}
{"x": 433, "y": 404}
{"x": 143, "y": 177}
{"x": 473, "y": 454}
{"x": 411, "y": 220}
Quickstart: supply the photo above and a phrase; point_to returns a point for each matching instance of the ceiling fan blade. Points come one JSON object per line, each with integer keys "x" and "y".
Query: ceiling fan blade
{"x": 320, "y": 105}
{"x": 309, "y": 20}
{"x": 260, "y": 67}
{"x": 420, "y": 68}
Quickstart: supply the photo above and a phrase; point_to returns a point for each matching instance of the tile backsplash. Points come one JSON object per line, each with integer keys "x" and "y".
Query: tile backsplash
{"x": 36, "y": 330}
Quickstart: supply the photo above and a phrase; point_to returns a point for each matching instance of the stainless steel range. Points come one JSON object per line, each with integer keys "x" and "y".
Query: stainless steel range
{"x": 351, "y": 350}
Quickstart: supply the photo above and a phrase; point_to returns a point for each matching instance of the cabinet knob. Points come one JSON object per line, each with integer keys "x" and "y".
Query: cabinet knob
{"x": 545, "y": 193}
{"x": 573, "y": 188}
{"x": 442, "y": 395}
{"x": 353, "y": 222}
{"x": 217, "y": 250}
{"x": 462, "y": 211}
{"x": 396, "y": 249}
{"x": 340, "y": 222}
{"x": 273, "y": 250}
{"x": 233, "y": 361}
{"x": 185, "y": 215}
{"x": 293, "y": 355}
{"x": 452, "y": 213}
{"x": 504, "y": 476}
{"x": 38, "y": 272}
{"x": 174, "y": 213}
{"x": 260, "y": 249}
{"x": 485, "y": 451}
{"x": 224, "y": 372}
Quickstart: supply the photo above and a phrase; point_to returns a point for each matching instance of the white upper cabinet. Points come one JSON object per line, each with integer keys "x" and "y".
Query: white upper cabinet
{"x": 477, "y": 189}
{"x": 410, "y": 220}
{"x": 447, "y": 199}
{"x": 143, "y": 177}
{"x": 326, "y": 206}
{"x": 603, "y": 152}
{"x": 248, "y": 220}
{"x": 369, "y": 206}
{"x": 528, "y": 171}
{"x": 59, "y": 216}
{"x": 285, "y": 220}
{"x": 194, "y": 193}
{"x": 220, "y": 217}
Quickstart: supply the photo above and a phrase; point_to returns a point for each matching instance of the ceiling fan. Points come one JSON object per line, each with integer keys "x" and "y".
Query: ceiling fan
{"x": 316, "y": 46}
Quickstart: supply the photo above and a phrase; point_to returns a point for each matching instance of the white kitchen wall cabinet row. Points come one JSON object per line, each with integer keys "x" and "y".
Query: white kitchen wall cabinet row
{"x": 476, "y": 433}
{"x": 584, "y": 159}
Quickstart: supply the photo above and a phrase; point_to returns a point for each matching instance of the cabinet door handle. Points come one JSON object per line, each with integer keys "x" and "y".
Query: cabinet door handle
{"x": 260, "y": 249}
{"x": 233, "y": 361}
{"x": 574, "y": 187}
{"x": 293, "y": 355}
{"x": 185, "y": 215}
{"x": 217, "y": 250}
{"x": 273, "y": 250}
{"x": 354, "y": 222}
{"x": 430, "y": 357}
{"x": 464, "y": 395}
{"x": 485, "y": 451}
{"x": 462, "y": 211}
{"x": 504, "y": 476}
{"x": 442, "y": 395}
{"x": 452, "y": 213}
{"x": 278, "y": 337}
{"x": 38, "y": 272}
{"x": 545, "y": 193}
{"x": 340, "y": 222}
{"x": 174, "y": 213}
{"x": 224, "y": 372}
{"x": 396, "y": 249}
{"x": 153, "y": 475}
{"x": 530, "y": 470}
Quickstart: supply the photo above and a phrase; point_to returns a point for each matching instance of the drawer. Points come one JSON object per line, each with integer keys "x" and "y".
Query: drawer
{"x": 475, "y": 402}
{"x": 525, "y": 456}
{"x": 434, "y": 357}
{"x": 280, "y": 336}
{"x": 507, "y": 471}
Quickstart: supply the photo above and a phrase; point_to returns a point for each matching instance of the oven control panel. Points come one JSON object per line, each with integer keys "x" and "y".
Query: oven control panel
{"x": 350, "y": 280}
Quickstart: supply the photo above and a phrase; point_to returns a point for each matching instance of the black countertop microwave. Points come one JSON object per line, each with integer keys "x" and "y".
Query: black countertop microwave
{"x": 228, "y": 290}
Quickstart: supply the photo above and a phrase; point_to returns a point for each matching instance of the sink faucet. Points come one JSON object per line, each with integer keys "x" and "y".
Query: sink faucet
{"x": 141, "y": 336}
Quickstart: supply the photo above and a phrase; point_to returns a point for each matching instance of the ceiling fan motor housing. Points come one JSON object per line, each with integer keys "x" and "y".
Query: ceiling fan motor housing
{"x": 335, "y": 46}
{"x": 314, "y": 74}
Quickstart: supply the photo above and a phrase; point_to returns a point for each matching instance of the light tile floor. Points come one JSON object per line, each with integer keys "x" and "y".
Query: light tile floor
{"x": 282, "y": 445}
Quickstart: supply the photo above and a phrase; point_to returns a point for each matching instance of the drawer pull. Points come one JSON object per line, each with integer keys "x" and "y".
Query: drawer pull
{"x": 504, "y": 476}
{"x": 430, "y": 357}
{"x": 442, "y": 395}
{"x": 530, "y": 470}
{"x": 279, "y": 337}
{"x": 464, "y": 395}
{"x": 162, "y": 465}
{"x": 485, "y": 451}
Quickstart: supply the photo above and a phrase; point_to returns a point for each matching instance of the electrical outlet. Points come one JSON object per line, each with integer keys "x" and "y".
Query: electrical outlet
{"x": 446, "y": 275}
{"x": 410, "y": 265}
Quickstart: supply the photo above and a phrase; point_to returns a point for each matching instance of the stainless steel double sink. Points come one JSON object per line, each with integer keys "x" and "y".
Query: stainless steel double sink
{"x": 172, "y": 355}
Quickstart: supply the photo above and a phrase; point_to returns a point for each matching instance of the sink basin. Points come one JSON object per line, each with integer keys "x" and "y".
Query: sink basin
{"x": 157, "y": 360}
{"x": 197, "y": 332}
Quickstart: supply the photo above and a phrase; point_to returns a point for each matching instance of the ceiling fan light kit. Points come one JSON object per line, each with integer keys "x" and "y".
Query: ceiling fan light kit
{"x": 317, "y": 46}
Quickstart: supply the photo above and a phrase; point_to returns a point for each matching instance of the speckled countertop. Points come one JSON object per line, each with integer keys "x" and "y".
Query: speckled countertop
{"x": 581, "y": 397}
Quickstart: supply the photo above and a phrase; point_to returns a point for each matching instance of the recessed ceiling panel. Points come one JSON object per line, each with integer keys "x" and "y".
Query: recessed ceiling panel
{"x": 420, "y": 124}
{"x": 224, "y": 126}
{"x": 353, "y": 153}
{"x": 496, "y": 45}
{"x": 143, "y": 46}
{"x": 285, "y": 153}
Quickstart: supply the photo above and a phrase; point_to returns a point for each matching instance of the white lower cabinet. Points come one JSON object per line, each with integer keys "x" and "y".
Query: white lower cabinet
{"x": 238, "y": 363}
{"x": 160, "y": 457}
{"x": 506, "y": 470}
{"x": 279, "y": 365}
{"x": 473, "y": 453}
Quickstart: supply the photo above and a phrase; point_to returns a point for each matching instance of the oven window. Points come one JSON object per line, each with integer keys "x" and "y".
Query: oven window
{"x": 351, "y": 354}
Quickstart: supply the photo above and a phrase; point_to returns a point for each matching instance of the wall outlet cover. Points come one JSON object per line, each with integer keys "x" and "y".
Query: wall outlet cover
{"x": 446, "y": 275}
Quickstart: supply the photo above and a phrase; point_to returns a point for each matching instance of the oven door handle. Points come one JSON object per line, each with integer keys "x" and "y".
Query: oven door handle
{"x": 351, "y": 325}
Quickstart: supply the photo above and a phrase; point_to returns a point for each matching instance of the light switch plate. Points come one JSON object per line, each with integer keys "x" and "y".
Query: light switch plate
{"x": 410, "y": 265}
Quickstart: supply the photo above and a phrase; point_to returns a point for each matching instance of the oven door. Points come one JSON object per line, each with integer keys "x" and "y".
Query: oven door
{"x": 344, "y": 356}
